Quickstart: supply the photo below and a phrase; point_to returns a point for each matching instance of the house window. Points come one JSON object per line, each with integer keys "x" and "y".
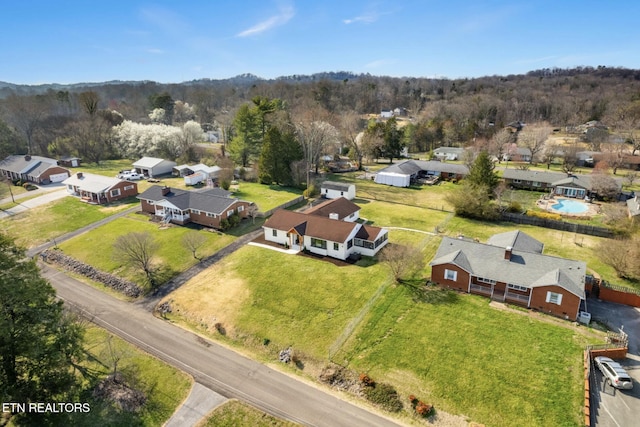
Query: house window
{"x": 488, "y": 281}
{"x": 450, "y": 274}
{"x": 230, "y": 212}
{"x": 516, "y": 181}
{"x": 518, "y": 287}
{"x": 211, "y": 215}
{"x": 342, "y": 193}
{"x": 240, "y": 208}
{"x": 349, "y": 244}
{"x": 536, "y": 183}
{"x": 115, "y": 192}
{"x": 554, "y": 298}
{"x": 318, "y": 243}
{"x": 195, "y": 211}
{"x": 128, "y": 187}
{"x": 274, "y": 233}
{"x": 336, "y": 246}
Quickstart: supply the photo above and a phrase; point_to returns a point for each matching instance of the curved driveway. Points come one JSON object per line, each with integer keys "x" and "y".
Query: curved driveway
{"x": 212, "y": 365}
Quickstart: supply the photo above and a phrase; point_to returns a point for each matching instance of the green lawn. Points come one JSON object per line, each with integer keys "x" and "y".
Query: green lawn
{"x": 164, "y": 386}
{"x": 307, "y": 307}
{"x": 266, "y": 197}
{"x": 41, "y": 224}
{"x": 428, "y": 196}
{"x": 498, "y": 368}
{"x": 96, "y": 247}
{"x": 237, "y": 414}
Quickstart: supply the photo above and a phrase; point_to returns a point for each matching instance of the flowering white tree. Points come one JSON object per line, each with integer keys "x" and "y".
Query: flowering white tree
{"x": 158, "y": 115}
{"x": 135, "y": 140}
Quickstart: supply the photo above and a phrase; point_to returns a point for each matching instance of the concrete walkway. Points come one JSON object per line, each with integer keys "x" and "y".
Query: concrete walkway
{"x": 200, "y": 402}
{"x": 273, "y": 248}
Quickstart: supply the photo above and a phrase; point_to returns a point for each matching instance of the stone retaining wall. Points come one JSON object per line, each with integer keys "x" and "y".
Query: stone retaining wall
{"x": 125, "y": 287}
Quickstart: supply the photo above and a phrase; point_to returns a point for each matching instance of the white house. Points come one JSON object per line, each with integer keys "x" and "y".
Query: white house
{"x": 153, "y": 166}
{"x": 324, "y": 236}
{"x": 333, "y": 190}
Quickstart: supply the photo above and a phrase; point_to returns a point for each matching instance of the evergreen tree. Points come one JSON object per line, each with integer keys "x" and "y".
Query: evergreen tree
{"x": 279, "y": 150}
{"x": 482, "y": 173}
{"x": 39, "y": 342}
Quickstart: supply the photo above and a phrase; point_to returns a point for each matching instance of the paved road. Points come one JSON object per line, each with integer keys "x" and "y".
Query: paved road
{"x": 617, "y": 316}
{"x": 212, "y": 365}
{"x": 199, "y": 404}
{"x": 53, "y": 193}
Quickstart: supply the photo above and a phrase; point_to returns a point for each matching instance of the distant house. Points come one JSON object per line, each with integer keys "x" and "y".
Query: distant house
{"x": 334, "y": 190}
{"x": 98, "y": 189}
{"x": 511, "y": 267}
{"x": 70, "y": 162}
{"x": 208, "y": 208}
{"x": 37, "y": 169}
{"x": 152, "y": 166}
{"x": 517, "y": 154}
{"x": 558, "y": 183}
{"x": 194, "y": 174}
{"x": 633, "y": 206}
{"x": 386, "y": 114}
{"x": 448, "y": 153}
{"x": 339, "y": 208}
{"x": 405, "y": 173}
{"x": 322, "y": 235}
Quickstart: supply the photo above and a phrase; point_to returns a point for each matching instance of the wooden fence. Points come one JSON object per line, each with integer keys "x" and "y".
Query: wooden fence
{"x": 613, "y": 293}
{"x": 557, "y": 225}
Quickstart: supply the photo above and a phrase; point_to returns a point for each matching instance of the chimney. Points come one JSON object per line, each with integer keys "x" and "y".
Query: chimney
{"x": 507, "y": 253}
{"x": 27, "y": 157}
{"x": 166, "y": 190}
{"x": 79, "y": 175}
{"x": 334, "y": 215}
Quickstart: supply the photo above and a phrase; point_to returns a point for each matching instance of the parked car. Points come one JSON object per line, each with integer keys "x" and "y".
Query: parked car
{"x": 614, "y": 373}
{"x": 130, "y": 175}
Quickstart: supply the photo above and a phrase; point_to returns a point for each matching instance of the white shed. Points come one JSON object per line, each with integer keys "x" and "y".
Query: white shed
{"x": 334, "y": 190}
{"x": 393, "y": 178}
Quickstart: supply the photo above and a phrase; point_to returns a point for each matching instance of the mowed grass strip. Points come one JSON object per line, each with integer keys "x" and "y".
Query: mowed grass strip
{"x": 44, "y": 223}
{"x": 257, "y": 294}
{"x": 237, "y": 414}
{"x": 266, "y": 197}
{"x": 96, "y": 247}
{"x": 164, "y": 386}
{"x": 498, "y": 368}
{"x": 427, "y": 196}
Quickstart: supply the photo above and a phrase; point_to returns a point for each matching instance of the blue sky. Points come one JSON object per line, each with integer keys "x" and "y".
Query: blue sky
{"x": 67, "y": 41}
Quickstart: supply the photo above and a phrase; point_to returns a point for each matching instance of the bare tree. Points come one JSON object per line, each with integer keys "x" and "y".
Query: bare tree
{"x": 621, "y": 254}
{"x": 403, "y": 261}
{"x": 352, "y": 130}
{"x": 499, "y": 142}
{"x": 615, "y": 155}
{"x": 137, "y": 250}
{"x": 314, "y": 137}
{"x": 534, "y": 139}
{"x": 603, "y": 184}
{"x": 549, "y": 154}
{"x": 630, "y": 177}
{"x": 570, "y": 159}
{"x": 192, "y": 241}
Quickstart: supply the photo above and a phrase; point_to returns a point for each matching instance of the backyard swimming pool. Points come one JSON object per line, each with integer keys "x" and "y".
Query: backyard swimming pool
{"x": 570, "y": 206}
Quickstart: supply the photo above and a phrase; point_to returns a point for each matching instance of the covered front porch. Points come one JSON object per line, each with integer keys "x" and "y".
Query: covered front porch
{"x": 168, "y": 214}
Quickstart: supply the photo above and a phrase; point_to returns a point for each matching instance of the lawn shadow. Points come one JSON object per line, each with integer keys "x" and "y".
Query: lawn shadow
{"x": 429, "y": 293}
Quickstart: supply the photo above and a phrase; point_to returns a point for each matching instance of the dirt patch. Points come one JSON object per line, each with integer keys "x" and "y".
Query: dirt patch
{"x": 211, "y": 299}
{"x": 115, "y": 390}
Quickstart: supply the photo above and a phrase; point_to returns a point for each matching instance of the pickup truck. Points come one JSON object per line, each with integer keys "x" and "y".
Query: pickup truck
{"x": 129, "y": 175}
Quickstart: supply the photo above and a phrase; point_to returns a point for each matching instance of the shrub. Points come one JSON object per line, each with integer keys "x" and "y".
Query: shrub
{"x": 545, "y": 215}
{"x": 367, "y": 381}
{"x": 385, "y": 396}
{"x": 423, "y": 409}
{"x": 514, "y": 207}
{"x": 311, "y": 191}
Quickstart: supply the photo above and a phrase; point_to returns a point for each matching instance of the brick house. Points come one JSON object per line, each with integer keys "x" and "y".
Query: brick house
{"x": 98, "y": 189}
{"x": 511, "y": 268}
{"x": 36, "y": 169}
{"x": 208, "y": 208}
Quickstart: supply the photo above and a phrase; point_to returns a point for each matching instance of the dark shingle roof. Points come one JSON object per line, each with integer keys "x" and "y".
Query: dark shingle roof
{"x": 211, "y": 201}
{"x": 517, "y": 240}
{"x": 340, "y": 206}
{"x": 333, "y": 185}
{"x": 528, "y": 269}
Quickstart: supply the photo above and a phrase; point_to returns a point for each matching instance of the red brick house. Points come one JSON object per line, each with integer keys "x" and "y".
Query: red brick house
{"x": 37, "y": 169}
{"x": 511, "y": 268}
{"x": 208, "y": 208}
{"x": 98, "y": 189}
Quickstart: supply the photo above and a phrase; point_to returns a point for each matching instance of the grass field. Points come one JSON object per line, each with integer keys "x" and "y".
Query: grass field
{"x": 497, "y": 368}
{"x": 165, "y": 387}
{"x": 41, "y": 224}
{"x": 266, "y": 197}
{"x": 96, "y": 247}
{"x": 236, "y": 414}
{"x": 287, "y": 299}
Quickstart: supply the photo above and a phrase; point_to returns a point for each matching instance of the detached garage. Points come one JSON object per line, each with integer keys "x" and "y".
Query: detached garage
{"x": 153, "y": 166}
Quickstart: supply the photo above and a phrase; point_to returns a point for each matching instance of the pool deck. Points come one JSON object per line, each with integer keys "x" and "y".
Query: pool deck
{"x": 547, "y": 205}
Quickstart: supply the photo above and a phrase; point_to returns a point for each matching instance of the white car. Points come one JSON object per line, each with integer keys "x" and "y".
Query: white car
{"x": 612, "y": 371}
{"x": 129, "y": 175}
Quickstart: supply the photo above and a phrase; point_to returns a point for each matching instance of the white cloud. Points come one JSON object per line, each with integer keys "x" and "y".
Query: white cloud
{"x": 284, "y": 15}
{"x": 367, "y": 18}
{"x": 155, "y": 51}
